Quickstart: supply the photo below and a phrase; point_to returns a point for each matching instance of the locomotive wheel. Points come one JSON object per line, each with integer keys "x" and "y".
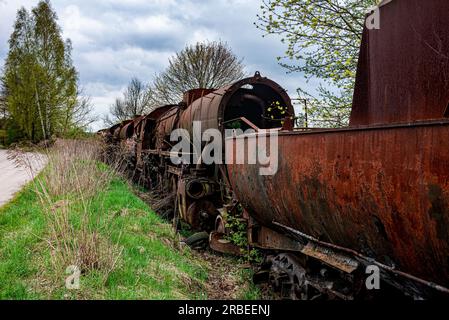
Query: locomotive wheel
{"x": 288, "y": 278}
{"x": 201, "y": 215}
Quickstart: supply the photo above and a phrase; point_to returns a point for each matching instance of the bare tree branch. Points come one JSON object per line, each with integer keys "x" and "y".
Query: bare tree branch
{"x": 207, "y": 65}
{"x": 137, "y": 100}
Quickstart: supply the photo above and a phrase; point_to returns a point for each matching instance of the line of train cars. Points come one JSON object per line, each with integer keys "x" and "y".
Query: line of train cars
{"x": 373, "y": 195}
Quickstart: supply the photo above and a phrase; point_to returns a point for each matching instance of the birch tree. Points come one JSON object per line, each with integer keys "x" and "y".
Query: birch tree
{"x": 40, "y": 79}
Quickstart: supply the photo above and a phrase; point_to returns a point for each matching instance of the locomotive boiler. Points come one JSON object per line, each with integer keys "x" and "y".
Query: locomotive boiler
{"x": 200, "y": 189}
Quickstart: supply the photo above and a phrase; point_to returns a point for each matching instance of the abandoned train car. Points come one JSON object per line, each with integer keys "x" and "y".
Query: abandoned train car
{"x": 375, "y": 193}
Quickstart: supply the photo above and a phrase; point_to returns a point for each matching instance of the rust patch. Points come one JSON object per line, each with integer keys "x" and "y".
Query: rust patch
{"x": 439, "y": 212}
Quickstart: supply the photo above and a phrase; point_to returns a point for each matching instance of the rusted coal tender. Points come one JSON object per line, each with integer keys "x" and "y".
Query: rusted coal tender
{"x": 373, "y": 195}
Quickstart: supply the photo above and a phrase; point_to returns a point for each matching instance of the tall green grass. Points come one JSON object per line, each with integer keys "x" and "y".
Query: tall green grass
{"x": 93, "y": 221}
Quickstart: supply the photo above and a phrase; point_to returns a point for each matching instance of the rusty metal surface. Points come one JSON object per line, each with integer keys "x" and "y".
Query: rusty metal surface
{"x": 112, "y": 129}
{"x": 265, "y": 238}
{"x": 218, "y": 243}
{"x": 339, "y": 261}
{"x": 127, "y": 131}
{"x": 190, "y": 96}
{"x": 116, "y": 130}
{"x": 166, "y": 123}
{"x": 382, "y": 192}
{"x": 210, "y": 109}
{"x": 403, "y": 68}
{"x": 159, "y": 112}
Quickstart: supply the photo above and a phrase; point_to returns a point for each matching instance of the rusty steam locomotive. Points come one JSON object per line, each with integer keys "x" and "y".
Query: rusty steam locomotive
{"x": 373, "y": 194}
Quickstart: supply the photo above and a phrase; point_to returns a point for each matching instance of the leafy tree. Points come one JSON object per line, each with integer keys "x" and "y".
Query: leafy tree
{"x": 137, "y": 100}
{"x": 205, "y": 65}
{"x": 324, "y": 37}
{"x": 40, "y": 81}
{"x": 18, "y": 80}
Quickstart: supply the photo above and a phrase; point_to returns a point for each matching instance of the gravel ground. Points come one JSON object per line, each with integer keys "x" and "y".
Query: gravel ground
{"x": 13, "y": 177}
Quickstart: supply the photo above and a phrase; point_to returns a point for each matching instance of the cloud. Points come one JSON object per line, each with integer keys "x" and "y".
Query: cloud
{"x": 114, "y": 40}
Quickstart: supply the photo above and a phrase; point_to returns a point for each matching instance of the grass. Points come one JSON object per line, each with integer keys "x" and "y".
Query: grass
{"x": 149, "y": 268}
{"x": 249, "y": 290}
{"x": 79, "y": 212}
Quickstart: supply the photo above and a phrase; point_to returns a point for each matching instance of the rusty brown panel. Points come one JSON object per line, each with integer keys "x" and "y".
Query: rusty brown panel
{"x": 403, "y": 68}
{"x": 195, "y": 94}
{"x": 117, "y": 128}
{"x": 138, "y": 120}
{"x": 159, "y": 112}
{"x": 113, "y": 128}
{"x": 205, "y": 109}
{"x": 166, "y": 123}
{"x": 139, "y": 127}
{"x": 382, "y": 192}
{"x": 218, "y": 243}
{"x": 266, "y": 238}
{"x": 127, "y": 131}
{"x": 331, "y": 257}
{"x": 128, "y": 127}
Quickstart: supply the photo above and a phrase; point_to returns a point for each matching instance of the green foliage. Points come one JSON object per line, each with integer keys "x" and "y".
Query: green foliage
{"x": 237, "y": 227}
{"x": 13, "y": 133}
{"x": 238, "y": 236}
{"x": 234, "y": 125}
{"x": 324, "y": 37}
{"x": 40, "y": 83}
{"x": 77, "y": 133}
{"x": 252, "y": 292}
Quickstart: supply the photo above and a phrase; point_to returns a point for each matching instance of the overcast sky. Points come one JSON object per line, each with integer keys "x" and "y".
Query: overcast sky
{"x": 114, "y": 40}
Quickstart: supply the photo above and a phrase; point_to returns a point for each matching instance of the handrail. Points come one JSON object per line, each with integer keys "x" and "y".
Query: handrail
{"x": 246, "y": 121}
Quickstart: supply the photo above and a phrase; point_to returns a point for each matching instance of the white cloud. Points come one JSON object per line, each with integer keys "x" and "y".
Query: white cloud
{"x": 158, "y": 24}
{"x": 81, "y": 29}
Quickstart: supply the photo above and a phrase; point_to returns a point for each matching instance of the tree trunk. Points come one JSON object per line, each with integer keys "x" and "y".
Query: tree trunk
{"x": 40, "y": 112}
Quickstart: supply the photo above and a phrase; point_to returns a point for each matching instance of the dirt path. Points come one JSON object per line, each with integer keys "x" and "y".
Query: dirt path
{"x": 13, "y": 177}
